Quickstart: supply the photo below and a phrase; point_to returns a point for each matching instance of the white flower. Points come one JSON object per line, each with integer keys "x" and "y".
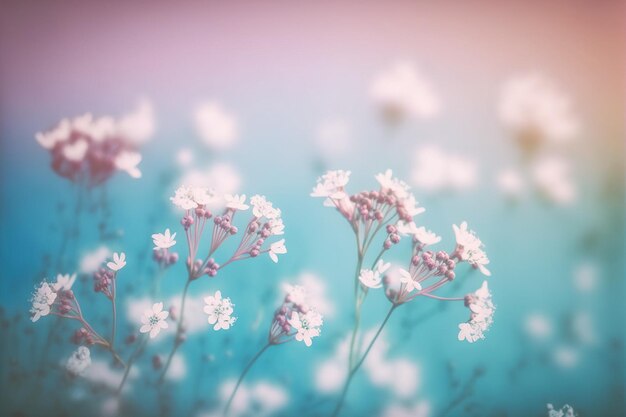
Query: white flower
{"x": 277, "y": 227}
{"x": 331, "y": 185}
{"x": 277, "y": 248}
{"x": 163, "y": 240}
{"x": 263, "y": 208}
{"x": 470, "y": 249}
{"x": 189, "y": 198}
{"x": 425, "y": 237}
{"x": 64, "y": 282}
{"x": 154, "y": 320}
{"x": 307, "y": 325}
{"x": 401, "y": 91}
{"x": 119, "y": 261}
{"x": 219, "y": 310}
{"x": 57, "y": 135}
{"x": 78, "y": 363}
{"x": 127, "y": 161}
{"x": 538, "y": 326}
{"x": 511, "y": 183}
{"x": 137, "y": 127}
{"x": 41, "y": 301}
{"x": 91, "y": 261}
{"x": 566, "y": 411}
{"x": 236, "y": 202}
{"x": 552, "y": 176}
{"x": 481, "y": 315}
{"x": 388, "y": 183}
{"x": 296, "y": 294}
{"x": 215, "y": 126}
{"x": 373, "y": 278}
{"x": 408, "y": 281}
{"x": 533, "y": 104}
{"x": 76, "y": 151}
{"x": 437, "y": 170}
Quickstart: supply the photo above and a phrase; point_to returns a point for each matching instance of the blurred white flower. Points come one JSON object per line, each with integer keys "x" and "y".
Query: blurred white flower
{"x": 127, "y": 161}
{"x": 402, "y": 92}
{"x": 538, "y": 326}
{"x": 91, "y": 261}
{"x": 222, "y": 178}
{"x": 184, "y": 157}
{"x": 64, "y": 282}
{"x": 260, "y": 399}
{"x": 219, "y": 311}
{"x": 41, "y": 301}
{"x": 565, "y": 411}
{"x": 277, "y": 248}
{"x": 119, "y": 262}
{"x": 163, "y": 240}
{"x": 583, "y": 328}
{"x": 188, "y": 198}
{"x": 421, "y": 409}
{"x": 215, "y": 126}
{"x": 511, "y": 183}
{"x": 137, "y": 127}
{"x": 178, "y": 368}
{"x": 334, "y": 138}
{"x": 78, "y": 363}
{"x": 76, "y": 151}
{"x": 316, "y": 292}
{"x": 154, "y": 320}
{"x": 586, "y": 277}
{"x": 534, "y": 107}
{"x": 436, "y": 170}
{"x": 565, "y": 357}
{"x": 102, "y": 373}
{"x": 553, "y": 178}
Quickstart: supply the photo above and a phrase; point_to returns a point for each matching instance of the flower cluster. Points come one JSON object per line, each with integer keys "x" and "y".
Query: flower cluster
{"x": 104, "y": 278}
{"x": 42, "y": 300}
{"x": 565, "y": 411}
{"x": 220, "y": 311}
{"x": 265, "y": 222}
{"x": 481, "y": 315}
{"x": 92, "y": 149}
{"x": 78, "y": 363}
{"x": 161, "y": 253}
{"x": 295, "y": 319}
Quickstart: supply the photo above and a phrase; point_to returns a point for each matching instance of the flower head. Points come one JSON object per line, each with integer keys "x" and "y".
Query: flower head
{"x": 373, "y": 278}
{"x": 127, "y": 161}
{"x": 407, "y": 279}
{"x": 189, "y": 198}
{"x": 263, "y": 208}
{"x": 277, "y": 248}
{"x": 236, "y": 202}
{"x": 119, "y": 261}
{"x": 163, "y": 240}
{"x": 331, "y": 185}
{"x": 469, "y": 248}
{"x": 41, "y": 301}
{"x": 154, "y": 320}
{"x": 78, "y": 363}
{"x": 481, "y": 314}
{"x": 64, "y": 282}
{"x": 307, "y": 325}
{"x": 220, "y": 311}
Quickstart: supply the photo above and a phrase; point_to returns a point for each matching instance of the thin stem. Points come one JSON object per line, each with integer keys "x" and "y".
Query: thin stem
{"x": 132, "y": 358}
{"x": 114, "y": 327}
{"x": 241, "y": 377}
{"x": 356, "y": 367}
{"x": 357, "y": 308}
{"x": 179, "y": 331}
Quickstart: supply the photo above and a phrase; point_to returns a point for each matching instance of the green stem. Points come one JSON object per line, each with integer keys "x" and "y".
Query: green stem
{"x": 356, "y": 367}
{"x": 243, "y": 374}
{"x": 357, "y": 308}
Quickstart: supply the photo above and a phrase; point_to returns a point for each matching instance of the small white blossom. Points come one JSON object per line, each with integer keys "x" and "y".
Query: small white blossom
{"x": 481, "y": 315}
{"x": 397, "y": 187}
{"x": 215, "y": 126}
{"x": 401, "y": 92}
{"x": 163, "y": 240}
{"x": 64, "y": 282}
{"x": 154, "y": 320}
{"x": 78, "y": 363}
{"x": 277, "y": 248}
{"x": 296, "y": 294}
{"x": 189, "y": 198}
{"x": 263, "y": 208}
{"x": 565, "y": 411}
{"x": 373, "y": 278}
{"x": 470, "y": 249}
{"x": 332, "y": 185}
{"x": 436, "y": 170}
{"x": 220, "y": 311}
{"x": 277, "y": 227}
{"x": 119, "y": 261}
{"x": 307, "y": 325}
{"x": 127, "y": 161}
{"x": 553, "y": 178}
{"x": 236, "y": 202}
{"x": 423, "y": 236}
{"x": 41, "y": 301}
{"x": 408, "y": 281}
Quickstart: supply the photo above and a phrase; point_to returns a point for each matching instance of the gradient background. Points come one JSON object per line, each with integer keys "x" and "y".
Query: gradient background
{"x": 283, "y": 68}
